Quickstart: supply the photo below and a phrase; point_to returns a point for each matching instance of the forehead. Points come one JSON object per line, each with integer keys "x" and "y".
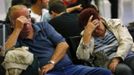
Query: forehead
{"x": 45, "y": 1}
{"x": 19, "y": 12}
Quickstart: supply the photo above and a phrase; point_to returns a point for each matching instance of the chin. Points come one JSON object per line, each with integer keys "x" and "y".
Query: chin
{"x": 98, "y": 35}
{"x": 23, "y": 36}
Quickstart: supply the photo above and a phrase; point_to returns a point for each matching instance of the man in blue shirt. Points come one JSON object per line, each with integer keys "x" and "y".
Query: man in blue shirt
{"x": 45, "y": 43}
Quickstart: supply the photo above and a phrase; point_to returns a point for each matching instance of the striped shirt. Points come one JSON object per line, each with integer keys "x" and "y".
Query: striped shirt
{"x": 108, "y": 44}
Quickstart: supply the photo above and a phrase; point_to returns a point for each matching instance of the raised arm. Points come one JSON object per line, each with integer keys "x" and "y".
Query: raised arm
{"x": 74, "y": 8}
{"x": 12, "y": 39}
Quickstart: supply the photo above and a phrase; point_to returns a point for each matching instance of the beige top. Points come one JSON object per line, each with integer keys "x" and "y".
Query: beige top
{"x": 121, "y": 33}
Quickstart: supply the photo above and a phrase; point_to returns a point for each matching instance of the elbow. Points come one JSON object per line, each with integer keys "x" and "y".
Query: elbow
{"x": 67, "y": 46}
{"x": 64, "y": 45}
{"x": 130, "y": 42}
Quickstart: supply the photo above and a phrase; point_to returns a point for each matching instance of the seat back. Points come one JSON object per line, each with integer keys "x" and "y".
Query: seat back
{"x": 131, "y": 29}
{"x": 73, "y": 44}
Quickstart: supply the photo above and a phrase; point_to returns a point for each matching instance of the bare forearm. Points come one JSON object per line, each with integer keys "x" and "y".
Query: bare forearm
{"x": 12, "y": 39}
{"x": 19, "y": 24}
{"x": 86, "y": 38}
{"x": 60, "y": 51}
{"x": 71, "y": 9}
{"x": 89, "y": 28}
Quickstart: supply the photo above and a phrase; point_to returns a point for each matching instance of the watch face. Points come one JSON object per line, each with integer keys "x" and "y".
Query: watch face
{"x": 51, "y": 62}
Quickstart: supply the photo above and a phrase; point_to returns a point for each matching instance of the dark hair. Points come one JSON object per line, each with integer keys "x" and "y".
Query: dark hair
{"x": 51, "y": 1}
{"x": 85, "y": 14}
{"x": 21, "y": 2}
{"x": 93, "y": 6}
{"x": 33, "y": 1}
{"x": 57, "y": 7}
{"x": 85, "y": 3}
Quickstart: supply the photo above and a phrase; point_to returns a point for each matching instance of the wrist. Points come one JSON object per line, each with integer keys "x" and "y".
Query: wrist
{"x": 17, "y": 30}
{"x": 51, "y": 62}
{"x": 116, "y": 59}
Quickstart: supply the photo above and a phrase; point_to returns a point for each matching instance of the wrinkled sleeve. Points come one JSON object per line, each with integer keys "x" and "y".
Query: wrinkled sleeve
{"x": 84, "y": 53}
{"x": 125, "y": 42}
{"x": 123, "y": 36}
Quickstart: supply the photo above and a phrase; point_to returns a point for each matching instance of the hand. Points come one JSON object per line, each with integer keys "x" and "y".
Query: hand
{"x": 78, "y": 7}
{"x": 46, "y": 68}
{"x": 91, "y": 25}
{"x": 20, "y": 22}
{"x": 113, "y": 64}
{"x": 89, "y": 28}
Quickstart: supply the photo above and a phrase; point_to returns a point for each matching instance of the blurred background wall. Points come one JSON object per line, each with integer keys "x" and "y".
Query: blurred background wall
{"x": 4, "y": 5}
{"x": 125, "y": 9}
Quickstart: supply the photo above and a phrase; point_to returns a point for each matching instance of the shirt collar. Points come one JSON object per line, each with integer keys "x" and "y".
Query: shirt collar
{"x": 36, "y": 28}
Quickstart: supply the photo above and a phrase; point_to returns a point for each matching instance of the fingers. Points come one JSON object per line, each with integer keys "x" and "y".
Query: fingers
{"x": 112, "y": 67}
{"x": 43, "y": 71}
{"x": 46, "y": 68}
{"x": 96, "y": 22}
{"x": 90, "y": 18}
{"x": 23, "y": 19}
{"x": 79, "y": 6}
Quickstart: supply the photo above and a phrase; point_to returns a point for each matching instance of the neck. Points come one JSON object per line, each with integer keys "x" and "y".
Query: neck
{"x": 37, "y": 9}
{"x": 28, "y": 35}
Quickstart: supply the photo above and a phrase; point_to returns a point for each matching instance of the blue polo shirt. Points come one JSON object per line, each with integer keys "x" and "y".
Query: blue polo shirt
{"x": 44, "y": 43}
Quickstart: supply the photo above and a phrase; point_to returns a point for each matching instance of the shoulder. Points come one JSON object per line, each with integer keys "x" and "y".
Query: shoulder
{"x": 42, "y": 24}
{"x": 114, "y": 22}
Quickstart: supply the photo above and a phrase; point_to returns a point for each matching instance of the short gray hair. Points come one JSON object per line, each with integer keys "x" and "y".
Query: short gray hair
{"x": 13, "y": 9}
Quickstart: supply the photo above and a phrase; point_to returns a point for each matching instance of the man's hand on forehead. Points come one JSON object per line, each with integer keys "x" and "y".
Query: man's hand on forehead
{"x": 23, "y": 19}
{"x": 20, "y": 22}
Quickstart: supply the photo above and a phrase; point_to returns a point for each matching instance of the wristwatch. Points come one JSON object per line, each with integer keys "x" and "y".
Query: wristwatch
{"x": 51, "y": 62}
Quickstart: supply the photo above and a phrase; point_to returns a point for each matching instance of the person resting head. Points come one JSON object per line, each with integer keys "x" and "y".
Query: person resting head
{"x": 85, "y": 14}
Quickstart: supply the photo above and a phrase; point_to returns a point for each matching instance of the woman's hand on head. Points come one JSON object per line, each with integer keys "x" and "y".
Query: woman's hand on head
{"x": 91, "y": 25}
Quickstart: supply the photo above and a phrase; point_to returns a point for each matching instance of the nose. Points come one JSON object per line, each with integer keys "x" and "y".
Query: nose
{"x": 27, "y": 24}
{"x": 96, "y": 31}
